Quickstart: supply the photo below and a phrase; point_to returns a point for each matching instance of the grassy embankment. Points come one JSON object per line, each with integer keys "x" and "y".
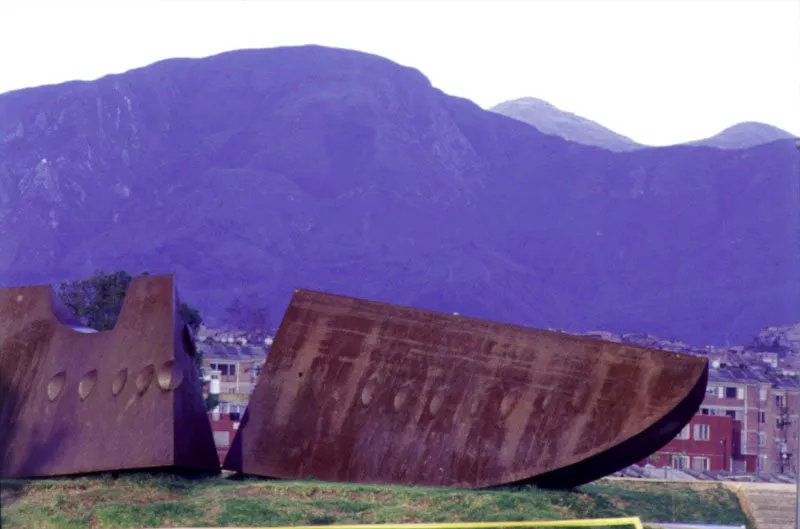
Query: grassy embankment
{"x": 142, "y": 500}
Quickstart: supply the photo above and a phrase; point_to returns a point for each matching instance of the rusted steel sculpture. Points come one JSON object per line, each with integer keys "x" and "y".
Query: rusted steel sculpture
{"x": 76, "y": 402}
{"x": 359, "y": 391}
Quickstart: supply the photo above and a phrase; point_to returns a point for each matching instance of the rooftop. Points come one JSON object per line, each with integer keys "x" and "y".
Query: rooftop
{"x": 753, "y": 375}
{"x": 225, "y": 351}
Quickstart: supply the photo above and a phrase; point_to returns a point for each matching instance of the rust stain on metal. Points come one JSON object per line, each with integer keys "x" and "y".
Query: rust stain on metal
{"x": 73, "y": 402}
{"x": 360, "y": 391}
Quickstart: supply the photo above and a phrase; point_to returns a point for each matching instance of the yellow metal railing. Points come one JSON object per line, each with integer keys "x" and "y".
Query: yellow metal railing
{"x": 596, "y": 522}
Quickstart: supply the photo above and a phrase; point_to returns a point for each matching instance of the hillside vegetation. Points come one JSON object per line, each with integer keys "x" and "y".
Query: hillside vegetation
{"x": 143, "y": 500}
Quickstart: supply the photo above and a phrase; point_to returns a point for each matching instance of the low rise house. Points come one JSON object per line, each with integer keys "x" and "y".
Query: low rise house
{"x": 238, "y": 366}
{"x": 254, "y": 337}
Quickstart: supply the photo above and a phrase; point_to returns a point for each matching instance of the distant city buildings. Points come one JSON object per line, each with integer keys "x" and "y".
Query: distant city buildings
{"x": 232, "y": 363}
{"x": 748, "y": 422}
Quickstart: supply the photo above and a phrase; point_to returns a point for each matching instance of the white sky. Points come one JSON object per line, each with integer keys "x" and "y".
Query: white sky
{"x": 659, "y": 71}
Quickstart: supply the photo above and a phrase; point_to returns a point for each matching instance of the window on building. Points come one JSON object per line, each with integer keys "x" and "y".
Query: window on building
{"x": 780, "y": 401}
{"x": 680, "y": 462}
{"x": 711, "y": 390}
{"x": 762, "y": 417}
{"x": 730, "y": 393}
{"x": 763, "y": 462}
{"x": 703, "y": 411}
{"x": 222, "y": 439}
{"x": 702, "y": 432}
{"x": 762, "y": 439}
{"x": 684, "y": 433}
{"x": 731, "y": 413}
{"x": 762, "y": 394}
{"x": 700, "y": 463}
{"x": 225, "y": 369}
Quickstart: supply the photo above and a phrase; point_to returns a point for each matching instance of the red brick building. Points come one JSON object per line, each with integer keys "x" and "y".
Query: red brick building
{"x": 224, "y": 426}
{"x": 766, "y": 407}
{"x": 748, "y": 422}
{"x": 707, "y": 443}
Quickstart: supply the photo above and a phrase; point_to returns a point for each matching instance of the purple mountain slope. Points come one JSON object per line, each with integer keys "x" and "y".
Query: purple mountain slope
{"x": 744, "y": 135}
{"x": 556, "y": 122}
{"x": 260, "y": 171}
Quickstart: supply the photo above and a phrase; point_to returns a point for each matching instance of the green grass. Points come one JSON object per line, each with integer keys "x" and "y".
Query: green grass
{"x": 143, "y": 500}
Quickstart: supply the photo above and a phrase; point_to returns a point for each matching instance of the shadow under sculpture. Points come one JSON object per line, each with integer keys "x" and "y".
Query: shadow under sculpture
{"x": 74, "y": 402}
{"x": 358, "y": 391}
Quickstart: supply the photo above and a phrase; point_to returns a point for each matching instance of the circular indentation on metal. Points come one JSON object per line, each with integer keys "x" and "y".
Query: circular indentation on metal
{"x": 436, "y": 402}
{"x": 300, "y": 374}
{"x": 368, "y": 393}
{"x": 144, "y": 378}
{"x": 86, "y": 385}
{"x": 508, "y": 403}
{"x": 119, "y": 381}
{"x": 401, "y": 397}
{"x": 56, "y": 385}
{"x": 170, "y": 375}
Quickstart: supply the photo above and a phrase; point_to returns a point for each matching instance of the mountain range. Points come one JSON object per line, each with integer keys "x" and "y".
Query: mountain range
{"x": 551, "y": 120}
{"x": 744, "y": 135}
{"x": 251, "y": 173}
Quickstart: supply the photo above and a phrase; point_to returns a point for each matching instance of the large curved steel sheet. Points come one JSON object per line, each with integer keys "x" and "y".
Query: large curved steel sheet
{"x": 359, "y": 391}
{"x": 73, "y": 401}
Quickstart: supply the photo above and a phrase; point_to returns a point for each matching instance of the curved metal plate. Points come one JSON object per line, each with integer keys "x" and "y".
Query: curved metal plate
{"x": 78, "y": 402}
{"x": 359, "y": 391}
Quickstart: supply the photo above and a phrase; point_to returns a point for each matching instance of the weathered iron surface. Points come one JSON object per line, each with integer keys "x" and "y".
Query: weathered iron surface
{"x": 77, "y": 402}
{"x": 359, "y": 391}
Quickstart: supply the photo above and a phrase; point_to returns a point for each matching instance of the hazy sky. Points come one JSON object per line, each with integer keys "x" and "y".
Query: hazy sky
{"x": 658, "y": 71}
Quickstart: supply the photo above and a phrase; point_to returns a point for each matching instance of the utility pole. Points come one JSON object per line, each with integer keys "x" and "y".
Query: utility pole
{"x": 797, "y": 452}
{"x": 797, "y": 429}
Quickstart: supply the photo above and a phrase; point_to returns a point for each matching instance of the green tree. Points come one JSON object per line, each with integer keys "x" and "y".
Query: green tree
{"x": 97, "y": 301}
{"x": 191, "y": 316}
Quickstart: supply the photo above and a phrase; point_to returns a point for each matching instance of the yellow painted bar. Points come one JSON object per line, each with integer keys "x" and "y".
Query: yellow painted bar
{"x": 596, "y": 522}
